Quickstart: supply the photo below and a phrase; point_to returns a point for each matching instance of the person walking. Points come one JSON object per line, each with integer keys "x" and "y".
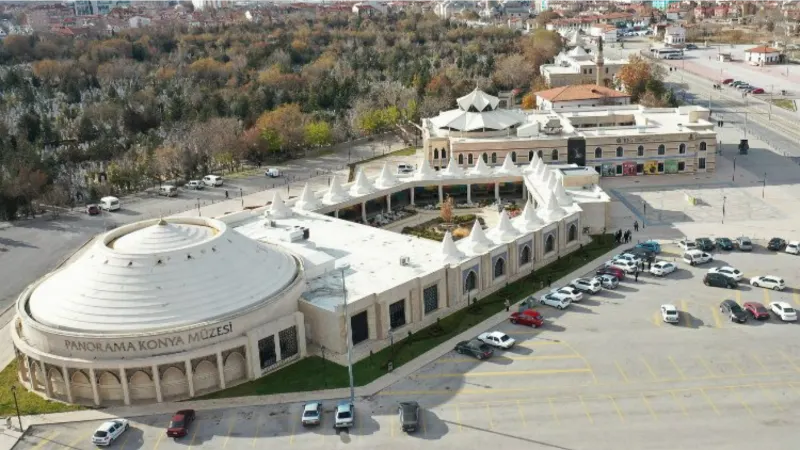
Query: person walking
{"x": 226, "y": 195}
{"x": 508, "y": 305}
{"x": 549, "y": 280}
{"x": 636, "y": 226}
{"x": 636, "y": 275}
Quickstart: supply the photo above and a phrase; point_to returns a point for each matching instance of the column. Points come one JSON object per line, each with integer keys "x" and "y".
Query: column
{"x": 125, "y": 392}
{"x": 48, "y": 388}
{"x": 441, "y": 194}
{"x": 31, "y": 374}
{"x": 95, "y": 392}
{"x": 301, "y": 333}
{"x": 221, "y": 369}
{"x": 67, "y": 383}
{"x": 364, "y": 212}
{"x": 497, "y": 191}
{"x": 469, "y": 193}
{"x": 190, "y": 376}
{"x": 157, "y": 382}
{"x": 524, "y": 192}
{"x": 336, "y": 214}
{"x": 372, "y": 331}
{"x": 412, "y": 196}
{"x": 278, "y": 356}
{"x": 389, "y": 203}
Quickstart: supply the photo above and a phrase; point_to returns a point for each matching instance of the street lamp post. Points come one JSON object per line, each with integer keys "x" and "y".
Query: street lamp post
{"x": 241, "y": 196}
{"x": 764, "y": 186}
{"x": 16, "y": 405}
{"x": 733, "y": 177}
{"x": 349, "y": 333}
{"x": 723, "y": 208}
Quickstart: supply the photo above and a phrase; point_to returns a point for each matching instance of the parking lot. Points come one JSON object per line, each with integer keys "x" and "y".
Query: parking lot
{"x": 604, "y": 371}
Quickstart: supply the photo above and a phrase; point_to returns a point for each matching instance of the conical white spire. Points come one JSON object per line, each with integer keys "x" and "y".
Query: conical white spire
{"x": 508, "y": 167}
{"x": 503, "y": 231}
{"x": 450, "y": 253}
{"x": 551, "y": 211}
{"x": 308, "y": 201}
{"x": 336, "y": 193}
{"x": 552, "y": 182}
{"x": 453, "y": 170}
{"x": 541, "y": 171}
{"x": 386, "y": 179}
{"x": 480, "y": 169}
{"x": 477, "y": 242}
{"x": 528, "y": 221}
{"x": 425, "y": 171}
{"x": 533, "y": 166}
{"x": 361, "y": 186}
{"x": 278, "y": 209}
{"x": 562, "y": 197}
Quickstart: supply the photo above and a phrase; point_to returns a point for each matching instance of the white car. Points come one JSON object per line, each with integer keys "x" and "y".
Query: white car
{"x": 694, "y": 257}
{"x": 793, "y": 248}
{"x": 555, "y": 300}
{"x": 194, "y": 184}
{"x": 628, "y": 257}
{"x": 784, "y": 311}
{"x": 768, "y": 282}
{"x": 607, "y": 281}
{"x": 728, "y": 271}
{"x": 662, "y": 268}
{"x": 589, "y": 285}
{"x": 312, "y": 414}
{"x": 669, "y": 313}
{"x": 687, "y": 245}
{"x": 497, "y": 339}
{"x": 212, "y": 180}
{"x": 569, "y": 292}
{"x": 626, "y": 266}
{"x": 109, "y": 431}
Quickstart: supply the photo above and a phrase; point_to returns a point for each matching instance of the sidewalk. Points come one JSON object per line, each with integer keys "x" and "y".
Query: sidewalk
{"x": 299, "y": 397}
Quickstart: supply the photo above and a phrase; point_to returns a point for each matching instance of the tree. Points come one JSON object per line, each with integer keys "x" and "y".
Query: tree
{"x": 636, "y": 75}
{"x": 446, "y": 210}
{"x": 28, "y": 185}
{"x": 318, "y": 134}
{"x": 513, "y": 72}
{"x": 284, "y": 126}
{"x": 529, "y": 101}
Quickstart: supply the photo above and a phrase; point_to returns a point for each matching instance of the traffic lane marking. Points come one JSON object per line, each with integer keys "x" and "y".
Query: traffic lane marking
{"x": 649, "y": 368}
{"x": 649, "y": 408}
{"x": 715, "y": 314}
{"x": 622, "y": 372}
{"x": 585, "y": 361}
{"x": 677, "y": 368}
{"x": 46, "y": 439}
{"x": 509, "y": 356}
{"x": 503, "y": 374}
{"x": 616, "y": 408}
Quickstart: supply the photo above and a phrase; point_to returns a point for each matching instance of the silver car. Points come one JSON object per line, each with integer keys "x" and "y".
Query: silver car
{"x": 607, "y": 281}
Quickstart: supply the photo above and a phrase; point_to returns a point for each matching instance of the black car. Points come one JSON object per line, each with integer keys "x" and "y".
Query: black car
{"x": 475, "y": 348}
{"x": 643, "y": 253}
{"x": 723, "y": 243}
{"x": 704, "y": 244}
{"x": 776, "y": 244}
{"x": 409, "y": 415}
{"x": 732, "y": 309}
{"x": 719, "y": 280}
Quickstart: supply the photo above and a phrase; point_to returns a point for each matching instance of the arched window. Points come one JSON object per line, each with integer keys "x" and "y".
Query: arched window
{"x": 530, "y": 155}
{"x": 513, "y": 157}
{"x": 619, "y": 152}
{"x": 640, "y": 150}
{"x": 554, "y": 155}
{"x": 541, "y": 154}
{"x": 525, "y": 255}
{"x": 436, "y": 153}
{"x": 444, "y": 154}
{"x": 702, "y": 146}
{"x": 469, "y": 159}
{"x": 471, "y": 282}
{"x": 549, "y": 243}
{"x": 460, "y": 159}
{"x": 494, "y": 158}
{"x": 682, "y": 149}
{"x": 661, "y": 149}
{"x": 598, "y": 152}
{"x": 572, "y": 233}
{"x": 485, "y": 158}
{"x": 499, "y": 267}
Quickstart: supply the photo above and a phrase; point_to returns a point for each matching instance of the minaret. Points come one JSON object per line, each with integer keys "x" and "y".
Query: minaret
{"x": 599, "y": 62}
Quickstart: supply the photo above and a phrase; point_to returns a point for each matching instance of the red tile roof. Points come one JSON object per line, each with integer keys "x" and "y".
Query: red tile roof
{"x": 762, "y": 49}
{"x": 579, "y": 92}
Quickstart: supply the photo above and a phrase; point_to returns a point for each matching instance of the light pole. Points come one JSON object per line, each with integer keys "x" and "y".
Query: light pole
{"x": 198, "y": 208}
{"x": 764, "y": 186}
{"x": 733, "y": 177}
{"x": 16, "y": 405}
{"x": 349, "y": 333}
{"x": 723, "y": 208}
{"x": 241, "y": 196}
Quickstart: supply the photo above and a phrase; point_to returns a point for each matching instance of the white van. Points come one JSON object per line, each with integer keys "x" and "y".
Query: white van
{"x": 694, "y": 257}
{"x": 212, "y": 180}
{"x": 109, "y": 203}
{"x": 168, "y": 190}
{"x": 272, "y": 173}
{"x": 405, "y": 169}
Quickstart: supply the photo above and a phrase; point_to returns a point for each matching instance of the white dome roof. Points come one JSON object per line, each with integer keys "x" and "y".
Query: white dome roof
{"x": 161, "y": 275}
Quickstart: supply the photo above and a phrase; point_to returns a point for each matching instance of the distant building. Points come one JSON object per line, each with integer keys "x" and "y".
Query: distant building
{"x": 763, "y": 55}
{"x": 579, "y": 67}
{"x": 581, "y": 95}
{"x": 675, "y": 36}
{"x": 606, "y": 31}
{"x": 98, "y": 7}
{"x": 139, "y": 21}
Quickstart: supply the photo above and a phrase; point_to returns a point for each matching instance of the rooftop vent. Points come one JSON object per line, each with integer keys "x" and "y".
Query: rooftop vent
{"x": 405, "y": 261}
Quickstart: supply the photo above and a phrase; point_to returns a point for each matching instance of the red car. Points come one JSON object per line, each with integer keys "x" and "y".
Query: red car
{"x": 528, "y": 317}
{"x": 179, "y": 425}
{"x": 92, "y": 210}
{"x": 756, "y": 310}
{"x": 757, "y": 91}
{"x": 619, "y": 273}
{"x": 727, "y": 81}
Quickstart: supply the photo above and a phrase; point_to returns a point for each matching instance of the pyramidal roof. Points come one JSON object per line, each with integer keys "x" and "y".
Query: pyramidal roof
{"x": 533, "y": 166}
{"x": 425, "y": 171}
{"x": 477, "y": 242}
{"x": 336, "y": 193}
{"x": 503, "y": 231}
{"x": 508, "y": 167}
{"x": 453, "y": 169}
{"x": 308, "y": 201}
{"x": 479, "y": 100}
{"x": 386, "y": 179}
{"x": 278, "y": 209}
{"x": 563, "y": 198}
{"x": 450, "y": 253}
{"x": 551, "y": 211}
{"x": 480, "y": 168}
{"x": 362, "y": 186}
{"x": 577, "y": 51}
{"x": 541, "y": 170}
{"x": 528, "y": 221}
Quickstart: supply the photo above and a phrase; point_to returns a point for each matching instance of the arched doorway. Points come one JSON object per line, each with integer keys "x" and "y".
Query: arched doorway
{"x": 485, "y": 158}
{"x": 494, "y": 158}
{"x": 530, "y": 155}
{"x": 205, "y": 376}
{"x": 525, "y": 255}
{"x": 499, "y": 267}
{"x": 572, "y": 233}
{"x": 469, "y": 159}
{"x": 81, "y": 386}
{"x": 110, "y": 387}
{"x": 57, "y": 385}
{"x": 460, "y": 159}
{"x": 471, "y": 281}
{"x": 513, "y": 157}
{"x": 234, "y": 367}
{"x": 141, "y": 386}
{"x": 549, "y": 243}
{"x": 436, "y": 153}
{"x": 173, "y": 383}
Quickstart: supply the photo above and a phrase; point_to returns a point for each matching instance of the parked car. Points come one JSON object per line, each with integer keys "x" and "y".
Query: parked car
{"x": 312, "y": 414}
{"x": 642, "y": 254}
{"x": 404, "y": 169}
{"x": 272, "y": 172}
{"x": 793, "y": 248}
{"x": 769, "y": 282}
{"x": 628, "y": 257}
{"x": 627, "y": 266}
{"x": 756, "y": 310}
{"x": 179, "y": 424}
{"x": 727, "y": 81}
{"x": 110, "y": 203}
{"x": 345, "y": 415}
{"x": 784, "y": 311}
{"x": 723, "y": 243}
{"x": 589, "y": 285}
{"x": 475, "y": 348}
{"x": 776, "y": 244}
{"x": 109, "y": 431}
{"x": 574, "y": 295}
{"x": 408, "y": 413}
{"x": 653, "y": 246}
{"x": 92, "y": 210}
{"x": 736, "y": 83}
{"x": 196, "y": 185}
{"x": 529, "y": 317}
{"x": 728, "y": 271}
{"x": 704, "y": 244}
{"x": 608, "y": 281}
{"x": 168, "y": 190}
{"x": 743, "y": 86}
{"x": 732, "y": 309}
{"x": 744, "y": 244}
{"x": 616, "y": 272}
{"x": 691, "y": 47}
{"x": 694, "y": 257}
{"x": 687, "y": 245}
{"x": 497, "y": 339}
{"x": 719, "y": 280}
{"x": 757, "y": 91}
{"x": 212, "y": 180}
{"x": 669, "y": 313}
{"x": 554, "y": 300}
{"x": 662, "y": 268}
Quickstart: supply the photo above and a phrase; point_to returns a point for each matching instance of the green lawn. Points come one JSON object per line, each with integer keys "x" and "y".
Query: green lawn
{"x": 785, "y": 104}
{"x": 29, "y": 403}
{"x": 311, "y": 373}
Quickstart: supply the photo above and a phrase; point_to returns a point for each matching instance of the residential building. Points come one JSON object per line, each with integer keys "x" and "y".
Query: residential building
{"x": 763, "y": 55}
{"x": 675, "y": 35}
{"x": 580, "y": 96}
{"x": 579, "y": 67}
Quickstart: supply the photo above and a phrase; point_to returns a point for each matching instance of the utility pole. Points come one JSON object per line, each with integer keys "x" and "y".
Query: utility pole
{"x": 16, "y": 405}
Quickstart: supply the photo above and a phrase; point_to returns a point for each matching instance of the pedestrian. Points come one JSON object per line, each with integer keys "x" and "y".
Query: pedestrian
{"x": 636, "y": 276}
{"x": 649, "y": 265}
{"x": 226, "y": 194}
{"x": 508, "y": 305}
{"x": 549, "y": 280}
{"x": 636, "y": 225}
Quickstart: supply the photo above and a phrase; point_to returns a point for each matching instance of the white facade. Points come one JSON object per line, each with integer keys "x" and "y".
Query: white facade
{"x": 675, "y": 35}
{"x": 608, "y": 33}
{"x": 762, "y": 55}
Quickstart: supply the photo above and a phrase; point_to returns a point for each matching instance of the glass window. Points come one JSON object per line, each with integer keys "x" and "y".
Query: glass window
{"x": 436, "y": 153}
{"x": 573, "y": 233}
{"x": 540, "y": 153}
{"x": 554, "y": 155}
{"x": 530, "y": 155}
{"x": 430, "y": 296}
{"x": 661, "y": 167}
{"x": 682, "y": 149}
{"x": 618, "y": 169}
{"x": 701, "y": 164}
{"x": 702, "y": 146}
{"x": 494, "y": 158}
{"x": 444, "y": 154}
{"x": 661, "y": 149}
{"x": 266, "y": 351}
{"x": 513, "y": 157}
{"x": 640, "y": 150}
{"x": 640, "y": 168}
{"x": 288, "y": 342}
{"x": 471, "y": 282}
{"x": 525, "y": 255}
{"x": 549, "y": 243}
{"x": 397, "y": 314}
{"x": 681, "y": 166}
{"x": 619, "y": 152}
{"x": 499, "y": 267}
{"x": 460, "y": 159}
{"x": 598, "y": 152}
{"x": 485, "y": 158}
{"x": 469, "y": 159}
